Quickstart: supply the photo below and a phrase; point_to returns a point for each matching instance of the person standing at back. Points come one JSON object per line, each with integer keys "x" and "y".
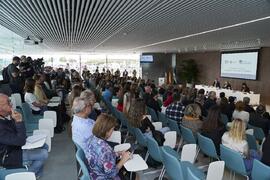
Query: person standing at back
{"x": 12, "y": 68}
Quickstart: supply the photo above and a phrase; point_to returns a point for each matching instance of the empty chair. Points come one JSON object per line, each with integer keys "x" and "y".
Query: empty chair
{"x": 207, "y": 146}
{"x": 80, "y": 156}
{"x": 260, "y": 171}
{"x": 176, "y": 169}
{"x": 48, "y": 138}
{"x": 18, "y": 99}
{"x": 51, "y": 115}
{"x": 115, "y": 137}
{"x": 215, "y": 170}
{"x": 21, "y": 176}
{"x": 46, "y": 124}
{"x": 233, "y": 160}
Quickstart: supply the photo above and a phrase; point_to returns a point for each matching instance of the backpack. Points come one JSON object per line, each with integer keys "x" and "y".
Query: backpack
{"x": 5, "y": 75}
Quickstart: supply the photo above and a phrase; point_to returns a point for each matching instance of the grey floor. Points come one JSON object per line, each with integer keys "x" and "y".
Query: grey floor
{"x": 61, "y": 164}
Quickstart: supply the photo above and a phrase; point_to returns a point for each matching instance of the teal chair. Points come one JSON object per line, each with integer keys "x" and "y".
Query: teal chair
{"x": 80, "y": 156}
{"x": 28, "y": 115}
{"x": 224, "y": 119}
{"x": 192, "y": 176}
{"x": 173, "y": 125}
{"x": 154, "y": 151}
{"x": 30, "y": 126}
{"x": 177, "y": 169}
{"x": 207, "y": 146}
{"x": 187, "y": 135}
{"x": 162, "y": 118}
{"x": 153, "y": 114}
{"x": 4, "y": 172}
{"x": 252, "y": 144}
{"x": 233, "y": 160}
{"x": 258, "y": 132}
{"x": 260, "y": 171}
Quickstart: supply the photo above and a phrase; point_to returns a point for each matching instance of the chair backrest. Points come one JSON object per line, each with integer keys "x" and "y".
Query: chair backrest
{"x": 162, "y": 118}
{"x": 140, "y": 137}
{"x": 215, "y": 170}
{"x": 157, "y": 125}
{"x": 172, "y": 165}
{"x": 189, "y": 153}
{"x": 174, "y": 126}
{"x": 153, "y": 149}
{"x": 153, "y": 114}
{"x": 191, "y": 176}
{"x": 115, "y": 137}
{"x": 80, "y": 156}
{"x": 51, "y": 115}
{"x": 233, "y": 160}
{"x": 18, "y": 99}
{"x": 122, "y": 118}
{"x": 250, "y": 131}
{"x": 224, "y": 119}
{"x": 170, "y": 139}
{"x": 207, "y": 146}
{"x": 21, "y": 176}
{"x": 48, "y": 138}
{"x": 46, "y": 124}
{"x": 187, "y": 135}
{"x": 252, "y": 144}
{"x": 260, "y": 171}
{"x": 13, "y": 102}
{"x": 27, "y": 112}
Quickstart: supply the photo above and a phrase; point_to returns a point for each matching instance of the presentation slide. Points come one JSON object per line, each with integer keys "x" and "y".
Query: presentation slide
{"x": 241, "y": 65}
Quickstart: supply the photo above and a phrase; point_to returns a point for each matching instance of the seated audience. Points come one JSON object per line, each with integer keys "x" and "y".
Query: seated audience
{"x": 153, "y": 101}
{"x": 213, "y": 128}
{"x": 231, "y": 107}
{"x": 255, "y": 119}
{"x": 39, "y": 93}
{"x": 75, "y": 92}
{"x": 90, "y": 97}
{"x": 247, "y": 107}
{"x": 175, "y": 111}
{"x": 266, "y": 151}
{"x": 235, "y": 139}
{"x": 81, "y": 124}
{"x": 245, "y": 88}
{"x": 210, "y": 101}
{"x": 262, "y": 111}
{"x": 13, "y": 137}
{"x": 216, "y": 83}
{"x": 29, "y": 97}
{"x": 200, "y": 98}
{"x": 227, "y": 85}
{"x": 192, "y": 118}
{"x": 137, "y": 118}
{"x": 239, "y": 112}
{"x": 107, "y": 94}
{"x": 100, "y": 156}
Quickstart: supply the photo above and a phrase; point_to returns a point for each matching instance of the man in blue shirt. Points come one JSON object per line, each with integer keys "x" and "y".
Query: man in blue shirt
{"x": 81, "y": 124}
{"x": 107, "y": 94}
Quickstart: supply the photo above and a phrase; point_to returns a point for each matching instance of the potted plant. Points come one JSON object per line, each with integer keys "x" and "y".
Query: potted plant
{"x": 189, "y": 71}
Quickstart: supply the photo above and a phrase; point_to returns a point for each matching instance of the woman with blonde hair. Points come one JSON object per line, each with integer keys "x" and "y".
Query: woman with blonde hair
{"x": 192, "y": 118}
{"x": 235, "y": 139}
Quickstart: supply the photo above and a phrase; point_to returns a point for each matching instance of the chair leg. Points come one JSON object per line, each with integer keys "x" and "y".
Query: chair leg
{"x": 233, "y": 175}
{"x": 146, "y": 156}
{"x": 230, "y": 174}
{"x": 180, "y": 144}
{"x": 197, "y": 153}
{"x": 161, "y": 173}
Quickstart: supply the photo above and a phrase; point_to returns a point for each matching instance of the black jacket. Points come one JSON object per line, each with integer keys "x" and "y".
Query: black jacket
{"x": 12, "y": 138}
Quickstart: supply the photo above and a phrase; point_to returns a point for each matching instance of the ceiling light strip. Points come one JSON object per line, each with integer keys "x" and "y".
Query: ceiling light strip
{"x": 200, "y": 33}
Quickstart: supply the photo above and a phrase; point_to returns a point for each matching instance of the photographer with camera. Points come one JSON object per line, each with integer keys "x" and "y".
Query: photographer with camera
{"x": 26, "y": 68}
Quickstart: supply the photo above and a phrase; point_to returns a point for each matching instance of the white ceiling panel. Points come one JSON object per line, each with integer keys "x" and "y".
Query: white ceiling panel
{"x": 139, "y": 25}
